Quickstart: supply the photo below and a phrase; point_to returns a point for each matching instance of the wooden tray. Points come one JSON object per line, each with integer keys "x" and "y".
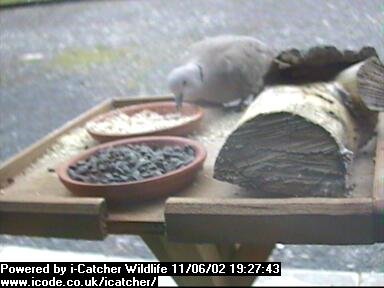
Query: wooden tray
{"x": 34, "y": 202}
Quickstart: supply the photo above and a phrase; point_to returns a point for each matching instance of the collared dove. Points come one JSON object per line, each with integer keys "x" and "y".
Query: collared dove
{"x": 221, "y": 70}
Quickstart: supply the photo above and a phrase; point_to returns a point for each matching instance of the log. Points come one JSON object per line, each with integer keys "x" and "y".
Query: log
{"x": 293, "y": 140}
{"x": 365, "y": 83}
{"x": 299, "y": 139}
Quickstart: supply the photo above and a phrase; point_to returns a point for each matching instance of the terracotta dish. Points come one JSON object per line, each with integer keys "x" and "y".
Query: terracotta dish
{"x": 193, "y": 111}
{"x": 155, "y": 187}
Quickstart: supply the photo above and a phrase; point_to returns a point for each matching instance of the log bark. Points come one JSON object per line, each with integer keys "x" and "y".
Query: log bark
{"x": 319, "y": 63}
{"x": 292, "y": 141}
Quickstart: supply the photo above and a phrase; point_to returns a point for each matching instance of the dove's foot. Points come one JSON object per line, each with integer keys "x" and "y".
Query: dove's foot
{"x": 238, "y": 105}
{"x": 234, "y": 106}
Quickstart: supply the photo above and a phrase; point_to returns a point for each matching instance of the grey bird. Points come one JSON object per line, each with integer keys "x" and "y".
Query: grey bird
{"x": 223, "y": 70}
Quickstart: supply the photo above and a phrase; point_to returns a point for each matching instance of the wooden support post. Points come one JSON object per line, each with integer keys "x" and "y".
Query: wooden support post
{"x": 182, "y": 252}
{"x": 167, "y": 251}
{"x": 250, "y": 253}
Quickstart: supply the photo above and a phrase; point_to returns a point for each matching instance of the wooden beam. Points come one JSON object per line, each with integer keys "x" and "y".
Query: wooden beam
{"x": 378, "y": 182}
{"x": 250, "y": 253}
{"x": 265, "y": 221}
{"x": 167, "y": 251}
{"x": 81, "y": 218}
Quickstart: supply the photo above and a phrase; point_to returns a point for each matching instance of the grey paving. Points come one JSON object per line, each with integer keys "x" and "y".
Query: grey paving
{"x": 371, "y": 279}
{"x": 298, "y": 278}
{"x": 289, "y": 277}
{"x": 56, "y": 61}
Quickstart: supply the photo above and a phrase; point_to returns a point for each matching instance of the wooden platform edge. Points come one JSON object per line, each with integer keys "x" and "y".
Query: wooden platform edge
{"x": 121, "y": 102}
{"x": 80, "y": 218}
{"x": 262, "y": 221}
{"x": 378, "y": 182}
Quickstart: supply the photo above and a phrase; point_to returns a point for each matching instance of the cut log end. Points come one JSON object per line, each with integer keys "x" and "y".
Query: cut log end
{"x": 283, "y": 154}
{"x": 370, "y": 79}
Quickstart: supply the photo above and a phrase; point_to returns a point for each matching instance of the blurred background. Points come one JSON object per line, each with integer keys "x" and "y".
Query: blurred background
{"x": 60, "y": 58}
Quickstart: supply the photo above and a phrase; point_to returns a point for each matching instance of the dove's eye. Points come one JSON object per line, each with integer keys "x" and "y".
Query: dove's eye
{"x": 184, "y": 82}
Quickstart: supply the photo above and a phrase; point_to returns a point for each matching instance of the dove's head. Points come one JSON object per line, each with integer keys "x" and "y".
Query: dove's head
{"x": 185, "y": 81}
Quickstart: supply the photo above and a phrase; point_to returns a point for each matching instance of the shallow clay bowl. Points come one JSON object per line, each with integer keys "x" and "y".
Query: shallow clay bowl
{"x": 159, "y": 107}
{"x": 155, "y": 187}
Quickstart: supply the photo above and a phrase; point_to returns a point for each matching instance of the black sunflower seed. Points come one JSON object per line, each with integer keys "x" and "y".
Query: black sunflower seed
{"x": 130, "y": 163}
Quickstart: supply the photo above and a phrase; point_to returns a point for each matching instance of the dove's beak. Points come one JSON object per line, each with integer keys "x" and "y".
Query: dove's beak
{"x": 179, "y": 100}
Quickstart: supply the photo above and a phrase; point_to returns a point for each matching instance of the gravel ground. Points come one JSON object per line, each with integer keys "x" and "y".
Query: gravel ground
{"x": 56, "y": 61}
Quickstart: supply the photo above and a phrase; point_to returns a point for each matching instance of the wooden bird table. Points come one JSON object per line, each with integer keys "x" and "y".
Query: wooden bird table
{"x": 208, "y": 221}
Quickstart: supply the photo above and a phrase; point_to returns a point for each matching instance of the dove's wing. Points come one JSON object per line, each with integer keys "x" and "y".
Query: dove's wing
{"x": 245, "y": 66}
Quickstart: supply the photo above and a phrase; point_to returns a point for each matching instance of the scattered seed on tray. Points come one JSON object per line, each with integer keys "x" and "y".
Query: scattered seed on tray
{"x": 128, "y": 163}
{"x": 144, "y": 121}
